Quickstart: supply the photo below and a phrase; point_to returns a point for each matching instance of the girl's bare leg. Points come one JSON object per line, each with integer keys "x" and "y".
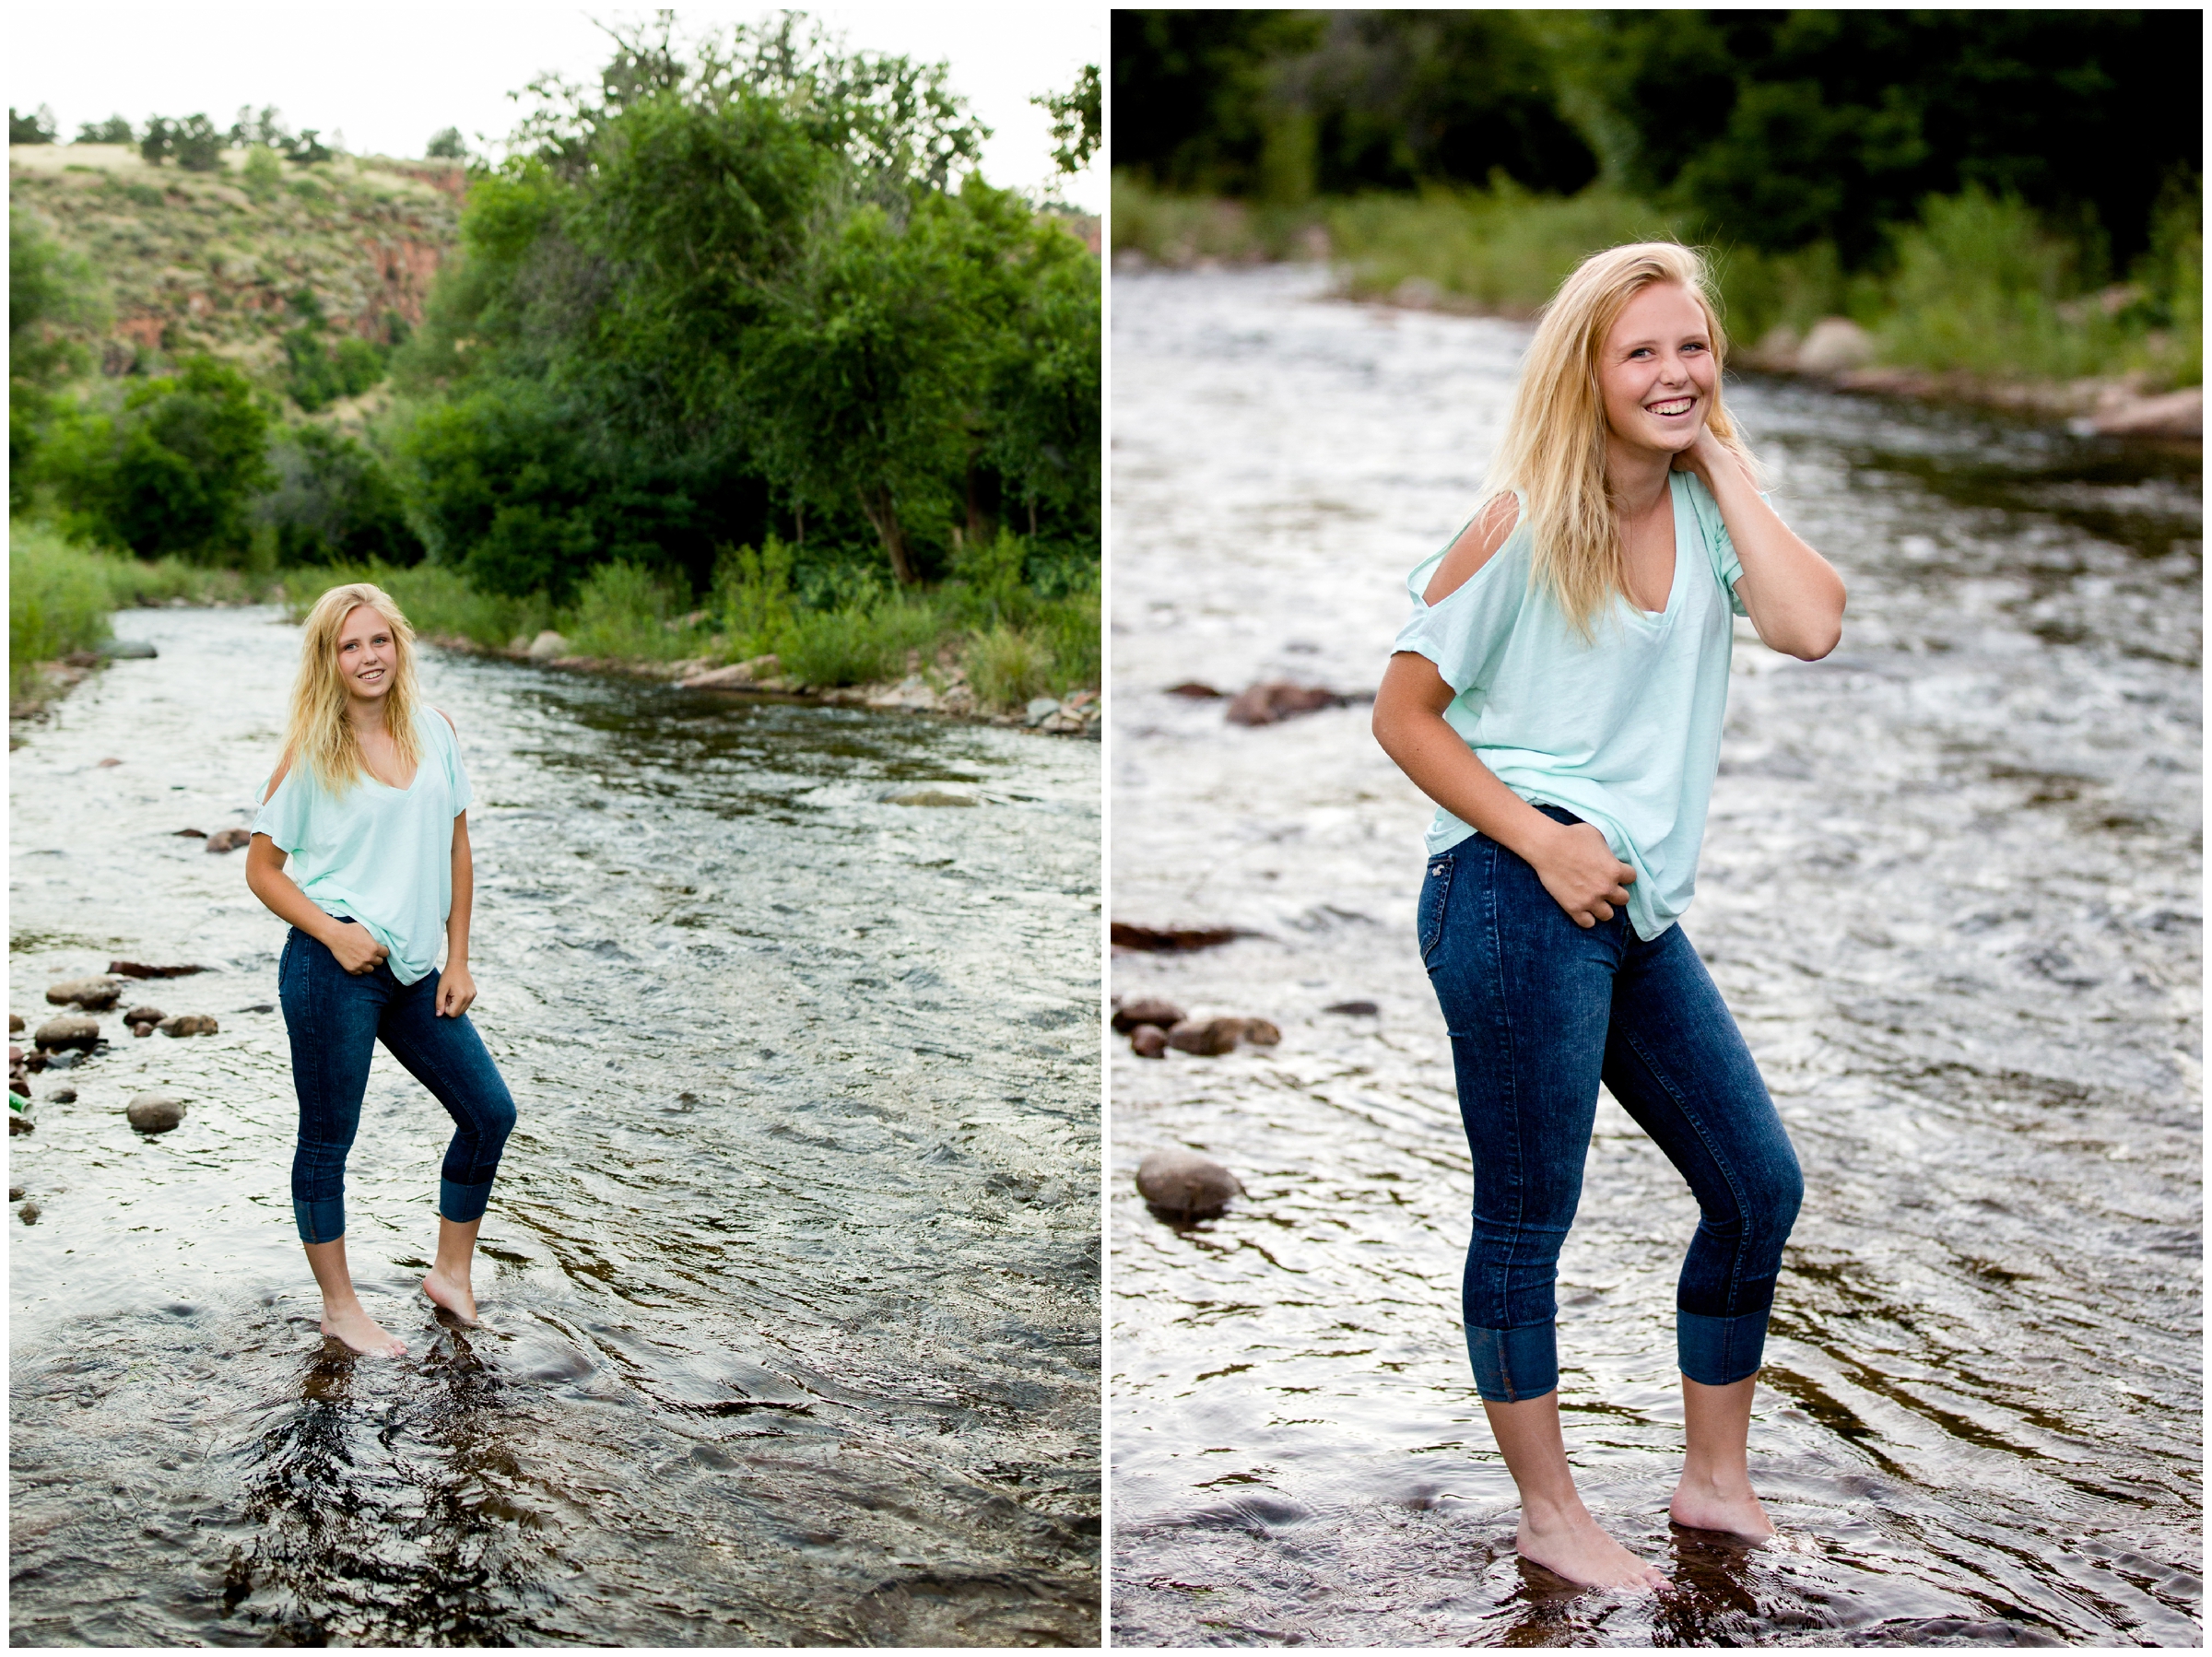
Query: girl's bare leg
{"x": 1715, "y": 1491}
{"x": 1557, "y": 1531}
{"x": 343, "y": 1314}
{"x": 448, "y": 1282}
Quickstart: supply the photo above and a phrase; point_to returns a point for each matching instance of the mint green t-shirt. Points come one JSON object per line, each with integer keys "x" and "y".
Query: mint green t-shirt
{"x": 1625, "y": 731}
{"x": 382, "y": 855}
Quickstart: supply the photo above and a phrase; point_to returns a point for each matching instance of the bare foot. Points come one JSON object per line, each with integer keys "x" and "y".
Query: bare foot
{"x": 364, "y": 1335}
{"x": 1578, "y": 1550}
{"x": 1707, "y": 1507}
{"x": 453, "y": 1293}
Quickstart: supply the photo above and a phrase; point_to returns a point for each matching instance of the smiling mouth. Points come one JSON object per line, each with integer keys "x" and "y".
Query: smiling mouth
{"x": 1672, "y": 406}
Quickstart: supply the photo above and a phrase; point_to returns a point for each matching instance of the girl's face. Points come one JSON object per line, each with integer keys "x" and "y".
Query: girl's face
{"x": 1655, "y": 370}
{"x": 368, "y": 653}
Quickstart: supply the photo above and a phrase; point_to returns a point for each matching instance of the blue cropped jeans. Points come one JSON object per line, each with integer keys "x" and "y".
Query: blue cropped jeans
{"x": 335, "y": 1019}
{"x": 1541, "y": 1011}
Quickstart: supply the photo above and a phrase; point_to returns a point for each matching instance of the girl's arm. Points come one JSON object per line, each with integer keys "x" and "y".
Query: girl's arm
{"x": 1572, "y": 859}
{"x": 357, "y": 951}
{"x": 1794, "y": 596}
{"x": 457, "y": 988}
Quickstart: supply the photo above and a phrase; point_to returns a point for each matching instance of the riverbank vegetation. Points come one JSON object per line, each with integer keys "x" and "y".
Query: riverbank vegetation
{"x": 735, "y": 355}
{"x": 1880, "y": 167}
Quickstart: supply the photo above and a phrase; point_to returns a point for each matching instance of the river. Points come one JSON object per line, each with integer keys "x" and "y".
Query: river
{"x": 790, "y": 1280}
{"x": 1950, "y": 888}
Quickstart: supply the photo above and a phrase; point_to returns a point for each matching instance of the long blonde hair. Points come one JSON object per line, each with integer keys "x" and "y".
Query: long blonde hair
{"x": 318, "y": 731}
{"x": 1554, "y": 451}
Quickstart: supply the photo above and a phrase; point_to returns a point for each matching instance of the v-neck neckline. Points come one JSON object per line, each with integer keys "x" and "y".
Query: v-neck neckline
{"x": 1674, "y": 582}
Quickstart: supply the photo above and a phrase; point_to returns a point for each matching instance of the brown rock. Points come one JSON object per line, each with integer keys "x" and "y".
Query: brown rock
{"x": 63, "y": 1095}
{"x": 1125, "y": 935}
{"x": 1353, "y": 1009}
{"x": 2176, "y": 414}
{"x": 140, "y": 970}
{"x": 1149, "y": 1041}
{"x": 20, "y": 1124}
{"x": 94, "y": 994}
{"x": 28, "y": 1214}
{"x": 1259, "y": 1032}
{"x": 1196, "y": 691}
{"x": 143, "y": 1014}
{"x": 1271, "y": 704}
{"x": 190, "y": 834}
{"x": 155, "y": 1112}
{"x": 189, "y": 1024}
{"x": 145, "y": 1027}
{"x": 14, "y": 1024}
{"x": 228, "y": 839}
{"x": 14, "y": 1193}
{"x": 81, "y": 1033}
{"x": 1207, "y": 1037}
{"x": 1147, "y": 1009}
{"x": 1185, "y": 1184}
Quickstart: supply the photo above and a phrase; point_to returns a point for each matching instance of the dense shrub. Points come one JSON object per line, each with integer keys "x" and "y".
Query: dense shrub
{"x": 335, "y": 503}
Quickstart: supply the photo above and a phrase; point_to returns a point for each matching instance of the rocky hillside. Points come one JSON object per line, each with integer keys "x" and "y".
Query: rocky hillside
{"x": 219, "y": 261}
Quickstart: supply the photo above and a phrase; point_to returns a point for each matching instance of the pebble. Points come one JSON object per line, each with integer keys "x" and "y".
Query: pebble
{"x": 1149, "y": 1009}
{"x": 228, "y": 839}
{"x": 1185, "y": 1184}
{"x": 94, "y": 994}
{"x": 143, "y": 1027}
{"x": 189, "y": 1024}
{"x": 67, "y": 1032}
{"x": 1209, "y": 1037}
{"x": 155, "y": 1112}
{"x": 1149, "y": 1041}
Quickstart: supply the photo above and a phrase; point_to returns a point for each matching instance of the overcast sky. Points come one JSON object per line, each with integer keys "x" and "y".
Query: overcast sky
{"x": 389, "y": 75}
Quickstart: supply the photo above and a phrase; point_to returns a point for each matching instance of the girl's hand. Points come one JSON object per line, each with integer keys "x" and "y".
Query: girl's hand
{"x": 1702, "y": 456}
{"x": 456, "y": 991}
{"x": 1582, "y": 875}
{"x": 358, "y": 952}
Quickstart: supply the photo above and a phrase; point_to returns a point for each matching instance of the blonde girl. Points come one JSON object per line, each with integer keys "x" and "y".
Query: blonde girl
{"x": 370, "y": 804}
{"x": 1559, "y": 693}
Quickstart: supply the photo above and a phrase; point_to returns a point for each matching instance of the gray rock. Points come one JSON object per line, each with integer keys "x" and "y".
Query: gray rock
{"x": 930, "y": 797}
{"x": 1147, "y": 1009}
{"x": 1185, "y": 1184}
{"x": 1353, "y": 1009}
{"x": 57, "y": 1033}
{"x": 1149, "y": 1041}
{"x": 14, "y": 1193}
{"x": 155, "y": 1112}
{"x": 62, "y": 1096}
{"x": 189, "y": 1024}
{"x": 93, "y": 994}
{"x": 1207, "y": 1037}
{"x": 1040, "y": 708}
{"x": 1836, "y": 343}
{"x": 547, "y": 646}
{"x": 129, "y": 649}
{"x": 228, "y": 839}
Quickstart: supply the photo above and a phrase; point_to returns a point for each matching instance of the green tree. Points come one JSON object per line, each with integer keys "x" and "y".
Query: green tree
{"x": 197, "y": 145}
{"x": 1076, "y": 121}
{"x": 37, "y": 128}
{"x": 113, "y": 130}
{"x": 53, "y": 298}
{"x": 447, "y": 145}
{"x": 158, "y": 142}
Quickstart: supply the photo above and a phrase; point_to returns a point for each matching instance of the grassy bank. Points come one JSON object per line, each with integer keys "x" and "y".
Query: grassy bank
{"x": 60, "y": 596}
{"x": 1009, "y": 640}
{"x": 1978, "y": 285}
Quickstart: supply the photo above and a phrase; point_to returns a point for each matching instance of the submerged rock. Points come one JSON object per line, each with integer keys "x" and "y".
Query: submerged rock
{"x": 1209, "y": 1039}
{"x": 228, "y": 839}
{"x": 59, "y": 1033}
{"x": 140, "y": 970}
{"x": 1271, "y": 704}
{"x": 94, "y": 994}
{"x": 1149, "y": 1041}
{"x": 189, "y": 1024}
{"x": 1147, "y": 1009}
{"x": 155, "y": 1112}
{"x": 1185, "y": 1184}
{"x": 1353, "y": 1009}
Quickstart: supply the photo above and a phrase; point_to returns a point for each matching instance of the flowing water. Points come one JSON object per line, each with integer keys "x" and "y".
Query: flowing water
{"x": 790, "y": 1280}
{"x": 1951, "y": 891}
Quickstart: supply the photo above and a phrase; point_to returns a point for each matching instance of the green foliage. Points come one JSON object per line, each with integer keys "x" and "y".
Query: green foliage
{"x": 113, "y": 130}
{"x": 37, "y": 128}
{"x": 1182, "y": 230}
{"x": 439, "y": 603}
{"x": 198, "y": 146}
{"x": 447, "y": 145}
{"x": 334, "y": 502}
{"x": 622, "y": 611}
{"x": 1077, "y": 130}
{"x": 1006, "y": 667}
{"x": 752, "y": 597}
{"x": 52, "y": 293}
{"x": 852, "y": 646}
{"x": 263, "y": 173}
{"x": 60, "y": 596}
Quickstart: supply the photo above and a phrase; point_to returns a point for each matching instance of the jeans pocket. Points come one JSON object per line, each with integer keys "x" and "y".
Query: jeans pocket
{"x": 1436, "y": 895}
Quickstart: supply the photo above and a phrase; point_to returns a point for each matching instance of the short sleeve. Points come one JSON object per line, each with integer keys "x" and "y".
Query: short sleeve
{"x": 1720, "y": 546}
{"x": 1466, "y": 632}
{"x": 284, "y": 815}
{"x": 455, "y": 773}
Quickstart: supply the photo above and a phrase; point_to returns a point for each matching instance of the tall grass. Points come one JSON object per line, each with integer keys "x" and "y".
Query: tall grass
{"x": 1183, "y": 230}
{"x": 436, "y": 601}
{"x": 60, "y": 596}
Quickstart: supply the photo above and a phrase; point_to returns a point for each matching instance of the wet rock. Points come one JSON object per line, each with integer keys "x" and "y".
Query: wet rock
{"x": 14, "y": 1193}
{"x": 104, "y": 764}
{"x": 145, "y": 1027}
{"x": 1125, "y": 934}
{"x": 19, "y": 1084}
{"x": 69, "y": 1032}
{"x": 1259, "y": 1032}
{"x": 1149, "y": 1041}
{"x": 140, "y": 970}
{"x": 1146, "y": 1009}
{"x": 1040, "y": 708}
{"x": 35, "y": 1063}
{"x": 190, "y": 834}
{"x": 1209, "y": 1037}
{"x": 144, "y": 1015}
{"x": 62, "y": 1096}
{"x": 911, "y": 695}
{"x": 128, "y": 650}
{"x": 1353, "y": 1009}
{"x": 14, "y": 1024}
{"x": 20, "y": 1124}
{"x": 28, "y": 1214}
{"x": 228, "y": 839}
{"x": 94, "y": 994}
{"x": 1185, "y": 1184}
{"x": 930, "y": 797}
{"x": 548, "y": 646}
{"x": 1196, "y": 691}
{"x": 1271, "y": 704}
{"x": 155, "y": 1112}
{"x": 1835, "y": 343}
{"x": 189, "y": 1024}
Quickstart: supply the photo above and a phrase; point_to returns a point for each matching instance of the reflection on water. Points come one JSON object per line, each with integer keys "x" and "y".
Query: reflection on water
{"x": 790, "y": 1281}
{"x": 1951, "y": 891}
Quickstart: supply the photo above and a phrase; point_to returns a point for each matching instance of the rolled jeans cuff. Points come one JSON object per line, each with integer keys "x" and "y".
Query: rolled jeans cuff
{"x": 1719, "y": 1352}
{"x": 462, "y": 1203}
{"x": 1513, "y": 1364}
{"x": 321, "y": 1221}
